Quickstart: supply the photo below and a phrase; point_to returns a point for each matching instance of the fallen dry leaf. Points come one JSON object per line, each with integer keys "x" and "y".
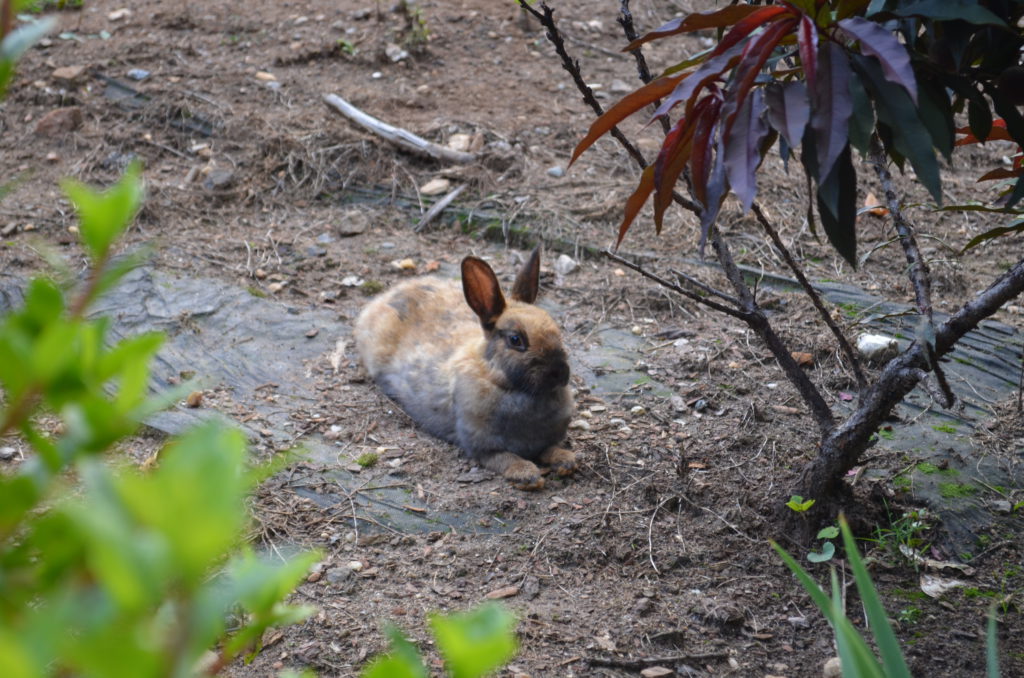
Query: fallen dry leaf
{"x": 876, "y": 206}
{"x": 504, "y": 592}
{"x": 803, "y": 359}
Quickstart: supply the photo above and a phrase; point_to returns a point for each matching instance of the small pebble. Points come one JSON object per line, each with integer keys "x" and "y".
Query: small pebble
{"x": 7, "y": 453}
{"x": 579, "y": 425}
{"x": 557, "y": 171}
{"x": 637, "y": 410}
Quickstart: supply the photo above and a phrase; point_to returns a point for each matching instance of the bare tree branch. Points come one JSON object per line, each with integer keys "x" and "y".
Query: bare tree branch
{"x": 844, "y": 344}
{"x": 689, "y": 294}
{"x": 626, "y": 21}
{"x": 547, "y": 19}
{"x": 757, "y": 321}
{"x": 841, "y": 449}
{"x": 920, "y": 276}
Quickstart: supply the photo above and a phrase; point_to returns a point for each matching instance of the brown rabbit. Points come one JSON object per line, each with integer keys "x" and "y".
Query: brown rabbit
{"x": 494, "y": 383}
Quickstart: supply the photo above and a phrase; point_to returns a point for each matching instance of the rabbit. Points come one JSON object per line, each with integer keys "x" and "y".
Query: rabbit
{"x": 491, "y": 377}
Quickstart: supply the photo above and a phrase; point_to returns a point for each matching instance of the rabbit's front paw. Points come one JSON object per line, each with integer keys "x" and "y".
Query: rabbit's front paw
{"x": 523, "y": 474}
{"x": 561, "y": 460}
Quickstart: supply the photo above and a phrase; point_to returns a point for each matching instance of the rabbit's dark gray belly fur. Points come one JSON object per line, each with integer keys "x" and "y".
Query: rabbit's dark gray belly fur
{"x": 419, "y": 391}
{"x": 523, "y": 424}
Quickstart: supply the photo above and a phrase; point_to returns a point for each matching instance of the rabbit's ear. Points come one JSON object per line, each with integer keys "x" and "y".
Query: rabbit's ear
{"x": 527, "y": 282}
{"x": 483, "y": 293}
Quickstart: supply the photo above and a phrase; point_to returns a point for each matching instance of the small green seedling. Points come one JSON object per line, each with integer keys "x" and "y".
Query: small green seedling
{"x": 828, "y": 549}
{"x": 797, "y": 503}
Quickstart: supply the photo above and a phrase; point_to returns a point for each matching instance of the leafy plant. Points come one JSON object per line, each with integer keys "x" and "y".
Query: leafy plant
{"x": 885, "y": 78}
{"x": 905, "y": 538}
{"x": 15, "y": 42}
{"x": 856, "y": 658}
{"x": 116, "y": 572}
{"x": 472, "y": 643}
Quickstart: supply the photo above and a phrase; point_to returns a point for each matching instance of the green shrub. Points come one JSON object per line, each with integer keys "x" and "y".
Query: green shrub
{"x": 117, "y": 572}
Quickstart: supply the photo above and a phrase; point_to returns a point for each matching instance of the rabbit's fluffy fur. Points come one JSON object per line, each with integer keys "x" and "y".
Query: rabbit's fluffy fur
{"x": 485, "y": 373}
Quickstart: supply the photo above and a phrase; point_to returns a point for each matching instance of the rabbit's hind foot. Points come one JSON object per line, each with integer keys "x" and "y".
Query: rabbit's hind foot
{"x": 561, "y": 460}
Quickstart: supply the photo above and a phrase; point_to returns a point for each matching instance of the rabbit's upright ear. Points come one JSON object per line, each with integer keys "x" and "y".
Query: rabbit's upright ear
{"x": 527, "y": 282}
{"x": 483, "y": 293}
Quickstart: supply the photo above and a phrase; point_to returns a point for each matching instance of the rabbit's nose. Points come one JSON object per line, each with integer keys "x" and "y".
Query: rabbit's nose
{"x": 559, "y": 373}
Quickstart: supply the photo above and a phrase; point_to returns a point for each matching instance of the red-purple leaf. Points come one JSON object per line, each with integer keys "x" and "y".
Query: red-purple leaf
{"x": 630, "y": 104}
{"x": 1001, "y": 173}
{"x": 807, "y": 43}
{"x": 636, "y": 201}
{"x": 675, "y": 166}
{"x": 999, "y": 131}
{"x": 748, "y": 25}
{"x": 743, "y": 148}
{"x": 669, "y": 147}
{"x": 727, "y": 16}
{"x": 788, "y": 109}
{"x": 703, "y": 140}
{"x": 830, "y": 117}
{"x": 708, "y": 71}
{"x": 876, "y": 41}
{"x": 756, "y": 53}
{"x": 716, "y": 194}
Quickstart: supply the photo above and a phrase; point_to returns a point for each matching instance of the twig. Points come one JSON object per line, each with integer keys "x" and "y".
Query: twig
{"x": 693, "y": 296}
{"x": 844, "y": 345}
{"x": 547, "y": 20}
{"x": 399, "y": 137}
{"x": 438, "y": 207}
{"x": 920, "y": 276}
{"x": 757, "y": 321}
{"x": 626, "y": 21}
{"x": 642, "y": 662}
{"x": 919, "y": 273}
{"x": 707, "y": 288}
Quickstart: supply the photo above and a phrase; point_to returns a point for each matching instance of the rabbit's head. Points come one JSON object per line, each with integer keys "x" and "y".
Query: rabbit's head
{"x": 523, "y": 342}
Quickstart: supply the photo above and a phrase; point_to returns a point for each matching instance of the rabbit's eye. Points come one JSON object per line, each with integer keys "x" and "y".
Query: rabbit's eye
{"x": 515, "y": 341}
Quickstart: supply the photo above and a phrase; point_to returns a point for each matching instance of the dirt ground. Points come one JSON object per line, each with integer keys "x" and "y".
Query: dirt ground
{"x": 655, "y": 553}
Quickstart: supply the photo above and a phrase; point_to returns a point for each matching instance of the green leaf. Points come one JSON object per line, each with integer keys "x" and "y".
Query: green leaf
{"x": 830, "y": 532}
{"x": 403, "y": 661}
{"x": 937, "y": 115}
{"x": 909, "y": 135}
{"x": 104, "y": 215}
{"x": 837, "y": 206}
{"x": 862, "y": 121}
{"x": 475, "y": 643}
{"x": 1015, "y": 227}
{"x": 17, "y": 43}
{"x": 828, "y": 550}
{"x": 979, "y": 117}
{"x": 991, "y": 645}
{"x": 201, "y": 487}
{"x": 970, "y": 11}
{"x": 797, "y": 503}
{"x": 878, "y": 620}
